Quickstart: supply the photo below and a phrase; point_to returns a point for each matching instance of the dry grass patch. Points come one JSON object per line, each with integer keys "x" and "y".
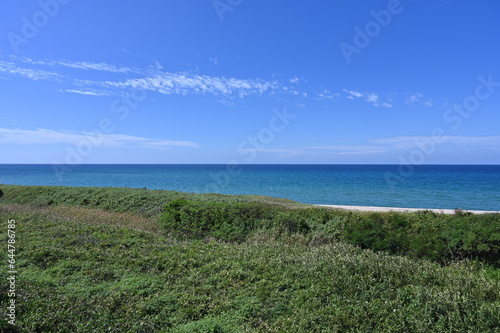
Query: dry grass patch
{"x": 87, "y": 215}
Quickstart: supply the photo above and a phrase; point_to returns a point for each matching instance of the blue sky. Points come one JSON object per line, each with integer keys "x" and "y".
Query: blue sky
{"x": 203, "y": 81}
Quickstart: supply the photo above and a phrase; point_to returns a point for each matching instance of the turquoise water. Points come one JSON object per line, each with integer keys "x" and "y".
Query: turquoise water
{"x": 474, "y": 187}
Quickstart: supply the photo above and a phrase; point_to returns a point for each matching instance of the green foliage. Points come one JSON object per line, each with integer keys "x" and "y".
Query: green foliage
{"x": 124, "y": 200}
{"x": 229, "y": 221}
{"x": 205, "y": 325}
{"x": 426, "y": 235}
{"x": 471, "y": 236}
{"x": 431, "y": 236}
{"x": 78, "y": 277}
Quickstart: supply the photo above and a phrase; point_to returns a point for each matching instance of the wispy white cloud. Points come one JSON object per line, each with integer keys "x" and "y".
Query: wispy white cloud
{"x": 152, "y": 78}
{"x": 33, "y": 74}
{"x": 295, "y": 92}
{"x": 351, "y": 94}
{"x": 84, "y": 65}
{"x": 87, "y": 92}
{"x": 183, "y": 84}
{"x": 117, "y": 79}
{"x": 381, "y": 146}
{"x": 344, "y": 148}
{"x": 475, "y": 140}
{"x": 360, "y": 152}
{"x": 372, "y": 98}
{"x": 48, "y": 136}
{"x": 414, "y": 98}
{"x": 324, "y": 150}
{"x": 326, "y": 94}
{"x": 405, "y": 142}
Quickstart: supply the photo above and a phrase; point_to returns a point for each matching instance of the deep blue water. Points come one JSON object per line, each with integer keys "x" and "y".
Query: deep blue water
{"x": 474, "y": 187}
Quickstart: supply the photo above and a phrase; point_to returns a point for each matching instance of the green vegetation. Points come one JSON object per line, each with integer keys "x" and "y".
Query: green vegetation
{"x": 124, "y": 200}
{"x": 427, "y": 235}
{"x": 130, "y": 260}
{"x": 227, "y": 221}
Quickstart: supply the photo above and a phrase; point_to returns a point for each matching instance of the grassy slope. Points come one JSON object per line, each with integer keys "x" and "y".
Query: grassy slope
{"x": 137, "y": 201}
{"x": 106, "y": 266}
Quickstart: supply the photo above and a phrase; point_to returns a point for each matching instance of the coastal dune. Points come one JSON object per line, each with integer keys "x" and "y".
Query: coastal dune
{"x": 398, "y": 209}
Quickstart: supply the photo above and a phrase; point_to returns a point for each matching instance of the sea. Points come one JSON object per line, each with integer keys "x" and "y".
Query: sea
{"x": 468, "y": 187}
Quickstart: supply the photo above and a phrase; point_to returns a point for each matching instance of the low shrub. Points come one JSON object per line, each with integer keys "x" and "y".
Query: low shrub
{"x": 474, "y": 237}
{"x": 228, "y": 221}
{"x": 428, "y": 235}
{"x": 424, "y": 235}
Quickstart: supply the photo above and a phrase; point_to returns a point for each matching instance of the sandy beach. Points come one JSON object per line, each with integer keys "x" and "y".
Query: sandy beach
{"x": 397, "y": 209}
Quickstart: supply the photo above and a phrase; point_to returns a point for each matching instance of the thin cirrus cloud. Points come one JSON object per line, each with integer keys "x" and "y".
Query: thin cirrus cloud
{"x": 174, "y": 83}
{"x": 92, "y": 92}
{"x": 326, "y": 94}
{"x": 405, "y": 142}
{"x": 151, "y": 78}
{"x": 11, "y": 68}
{"x": 119, "y": 78}
{"x": 414, "y": 98}
{"x": 351, "y": 94}
{"x": 323, "y": 150}
{"x": 48, "y": 136}
{"x": 385, "y": 145}
{"x": 84, "y": 65}
{"x": 372, "y": 98}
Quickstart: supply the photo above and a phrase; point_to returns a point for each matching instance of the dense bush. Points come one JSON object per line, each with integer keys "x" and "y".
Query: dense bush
{"x": 227, "y": 221}
{"x": 429, "y": 235}
{"x": 474, "y": 236}
{"x": 426, "y": 235}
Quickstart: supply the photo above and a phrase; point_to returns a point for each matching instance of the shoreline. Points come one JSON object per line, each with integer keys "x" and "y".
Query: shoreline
{"x": 402, "y": 210}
